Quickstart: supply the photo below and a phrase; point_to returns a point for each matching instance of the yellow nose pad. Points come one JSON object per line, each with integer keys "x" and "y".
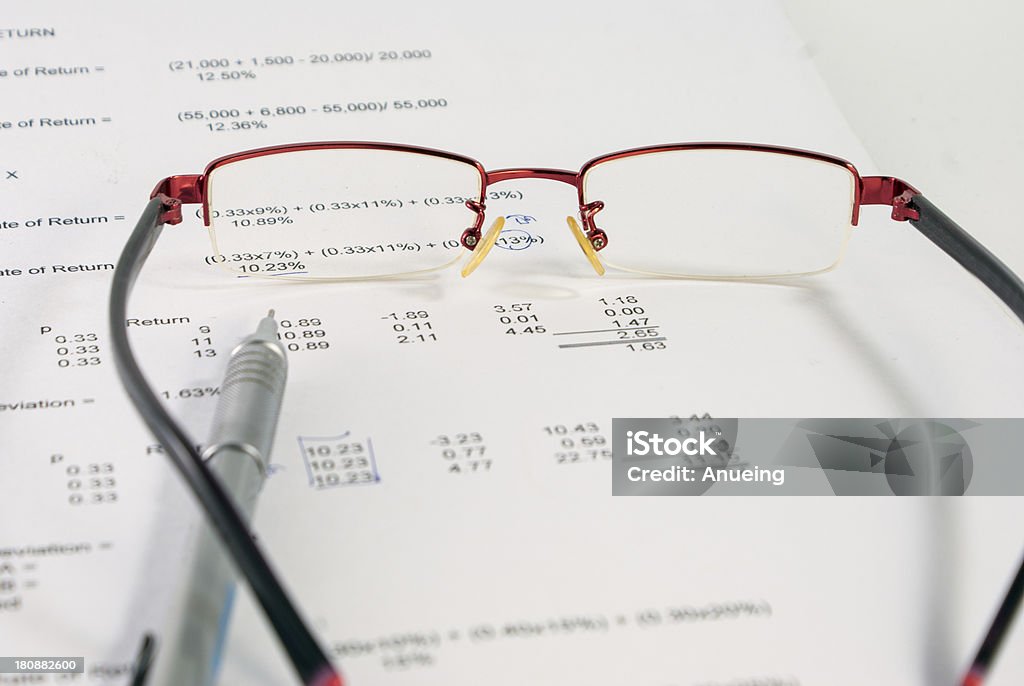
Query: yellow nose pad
{"x": 483, "y": 247}
{"x": 585, "y": 245}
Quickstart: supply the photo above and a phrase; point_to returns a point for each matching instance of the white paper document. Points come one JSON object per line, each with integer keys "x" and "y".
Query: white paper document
{"x": 440, "y": 499}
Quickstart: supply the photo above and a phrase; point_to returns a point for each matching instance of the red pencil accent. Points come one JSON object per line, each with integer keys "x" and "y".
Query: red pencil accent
{"x": 974, "y": 678}
{"x": 328, "y": 677}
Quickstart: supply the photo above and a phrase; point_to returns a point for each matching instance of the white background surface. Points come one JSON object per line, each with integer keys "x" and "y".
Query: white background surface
{"x": 933, "y": 90}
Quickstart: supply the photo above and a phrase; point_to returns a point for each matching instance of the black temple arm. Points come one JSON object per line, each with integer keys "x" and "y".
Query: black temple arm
{"x": 997, "y": 631}
{"x": 305, "y": 653}
{"x": 975, "y": 258}
{"x": 972, "y": 255}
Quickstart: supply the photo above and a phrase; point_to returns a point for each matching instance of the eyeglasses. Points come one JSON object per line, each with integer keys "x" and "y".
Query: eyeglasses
{"x": 357, "y": 210}
{"x": 366, "y": 210}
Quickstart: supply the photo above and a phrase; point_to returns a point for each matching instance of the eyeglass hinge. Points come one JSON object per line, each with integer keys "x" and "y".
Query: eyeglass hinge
{"x": 901, "y": 209}
{"x": 172, "y": 209}
{"x": 888, "y": 190}
{"x": 174, "y": 191}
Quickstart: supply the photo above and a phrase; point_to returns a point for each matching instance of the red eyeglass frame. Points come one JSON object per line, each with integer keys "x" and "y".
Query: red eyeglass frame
{"x": 188, "y": 189}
